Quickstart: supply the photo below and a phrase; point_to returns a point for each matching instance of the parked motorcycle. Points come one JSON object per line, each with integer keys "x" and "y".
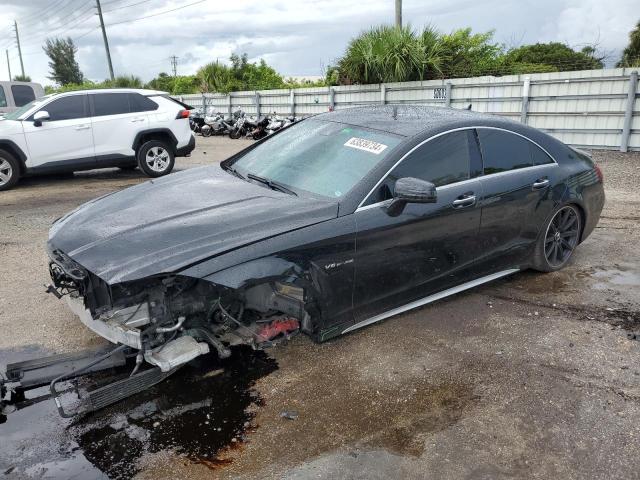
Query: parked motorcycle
{"x": 217, "y": 125}
{"x": 239, "y": 128}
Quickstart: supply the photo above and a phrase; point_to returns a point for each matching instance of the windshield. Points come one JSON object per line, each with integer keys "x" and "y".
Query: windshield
{"x": 321, "y": 157}
{"x": 16, "y": 114}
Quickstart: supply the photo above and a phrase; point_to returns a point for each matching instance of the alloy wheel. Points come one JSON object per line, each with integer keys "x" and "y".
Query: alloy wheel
{"x": 157, "y": 159}
{"x": 562, "y": 236}
{"x": 6, "y": 172}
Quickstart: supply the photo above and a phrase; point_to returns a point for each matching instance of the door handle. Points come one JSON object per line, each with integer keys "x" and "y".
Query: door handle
{"x": 540, "y": 183}
{"x": 137, "y": 120}
{"x": 83, "y": 127}
{"x": 464, "y": 201}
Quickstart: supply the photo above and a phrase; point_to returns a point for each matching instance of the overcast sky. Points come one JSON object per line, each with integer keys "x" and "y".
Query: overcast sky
{"x": 297, "y": 37}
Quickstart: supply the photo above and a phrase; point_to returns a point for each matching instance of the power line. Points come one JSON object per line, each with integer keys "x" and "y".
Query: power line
{"x": 61, "y": 30}
{"x": 125, "y": 6}
{"x": 43, "y": 13}
{"x": 155, "y": 14}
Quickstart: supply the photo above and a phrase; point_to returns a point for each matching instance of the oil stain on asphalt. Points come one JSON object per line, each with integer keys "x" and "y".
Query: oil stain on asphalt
{"x": 196, "y": 413}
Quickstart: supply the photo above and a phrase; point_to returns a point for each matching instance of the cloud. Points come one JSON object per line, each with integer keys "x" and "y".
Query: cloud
{"x": 297, "y": 37}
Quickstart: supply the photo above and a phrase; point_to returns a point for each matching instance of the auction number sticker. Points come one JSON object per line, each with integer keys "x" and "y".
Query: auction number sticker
{"x": 366, "y": 145}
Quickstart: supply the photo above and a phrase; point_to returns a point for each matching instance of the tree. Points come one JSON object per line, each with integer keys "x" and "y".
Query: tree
{"x": 63, "y": 64}
{"x": 555, "y": 55}
{"x": 631, "y": 54}
{"x": 240, "y": 75}
{"x": 465, "y": 54}
{"x": 123, "y": 81}
{"x": 391, "y": 54}
{"x": 22, "y": 78}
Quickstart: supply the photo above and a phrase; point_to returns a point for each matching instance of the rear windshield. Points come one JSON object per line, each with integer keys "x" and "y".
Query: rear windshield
{"x": 321, "y": 157}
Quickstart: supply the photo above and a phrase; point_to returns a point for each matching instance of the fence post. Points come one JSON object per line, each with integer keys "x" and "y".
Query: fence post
{"x": 525, "y": 100}
{"x": 383, "y": 93}
{"x": 229, "y": 105}
{"x": 628, "y": 114}
{"x": 292, "y": 101}
{"x": 332, "y": 99}
{"x": 257, "y": 100}
{"x": 448, "y": 94}
{"x": 204, "y": 103}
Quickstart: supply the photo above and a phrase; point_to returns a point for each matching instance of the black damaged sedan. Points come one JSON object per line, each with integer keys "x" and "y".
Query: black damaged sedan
{"x": 337, "y": 222}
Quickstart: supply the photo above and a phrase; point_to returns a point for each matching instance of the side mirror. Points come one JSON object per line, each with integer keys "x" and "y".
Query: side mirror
{"x": 411, "y": 190}
{"x": 39, "y": 117}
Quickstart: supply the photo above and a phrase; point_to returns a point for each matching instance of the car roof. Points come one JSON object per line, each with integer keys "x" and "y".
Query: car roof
{"x": 141, "y": 91}
{"x": 411, "y": 120}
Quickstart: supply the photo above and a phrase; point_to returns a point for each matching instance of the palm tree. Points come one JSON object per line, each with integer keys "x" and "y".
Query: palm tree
{"x": 391, "y": 54}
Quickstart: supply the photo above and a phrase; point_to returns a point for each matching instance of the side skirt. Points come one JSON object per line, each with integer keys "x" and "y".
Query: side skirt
{"x": 432, "y": 298}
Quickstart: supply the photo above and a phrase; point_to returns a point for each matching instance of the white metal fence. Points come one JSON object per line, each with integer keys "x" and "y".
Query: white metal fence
{"x": 597, "y": 109}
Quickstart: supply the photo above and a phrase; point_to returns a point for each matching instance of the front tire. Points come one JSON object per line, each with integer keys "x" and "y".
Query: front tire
{"x": 9, "y": 170}
{"x": 155, "y": 158}
{"x": 235, "y": 134}
{"x": 558, "y": 240}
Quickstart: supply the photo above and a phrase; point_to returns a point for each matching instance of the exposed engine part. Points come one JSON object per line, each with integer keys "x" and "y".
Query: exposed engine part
{"x": 132, "y": 316}
{"x": 268, "y": 297}
{"x": 206, "y": 336}
{"x": 281, "y": 326}
{"x": 176, "y": 352}
{"x": 173, "y": 328}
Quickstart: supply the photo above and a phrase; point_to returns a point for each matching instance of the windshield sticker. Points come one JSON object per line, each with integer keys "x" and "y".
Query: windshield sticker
{"x": 366, "y": 145}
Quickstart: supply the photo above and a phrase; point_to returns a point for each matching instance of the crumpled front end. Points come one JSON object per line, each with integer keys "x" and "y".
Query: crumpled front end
{"x": 171, "y": 319}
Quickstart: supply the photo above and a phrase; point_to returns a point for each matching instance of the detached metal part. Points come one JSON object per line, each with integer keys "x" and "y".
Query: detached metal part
{"x": 176, "y": 352}
{"x": 41, "y": 371}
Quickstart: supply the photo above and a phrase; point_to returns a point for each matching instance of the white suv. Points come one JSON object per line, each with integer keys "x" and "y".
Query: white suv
{"x": 90, "y": 129}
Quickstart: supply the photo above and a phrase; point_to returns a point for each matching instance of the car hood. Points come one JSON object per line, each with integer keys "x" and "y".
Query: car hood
{"x": 165, "y": 225}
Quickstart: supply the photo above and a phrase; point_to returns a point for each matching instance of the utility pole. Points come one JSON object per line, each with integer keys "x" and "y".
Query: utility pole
{"x": 104, "y": 37}
{"x": 15, "y": 27}
{"x": 8, "y": 64}
{"x": 174, "y": 65}
{"x": 398, "y": 13}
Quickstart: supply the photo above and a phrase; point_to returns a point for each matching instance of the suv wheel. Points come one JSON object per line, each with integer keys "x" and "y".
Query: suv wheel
{"x": 155, "y": 158}
{"x": 9, "y": 170}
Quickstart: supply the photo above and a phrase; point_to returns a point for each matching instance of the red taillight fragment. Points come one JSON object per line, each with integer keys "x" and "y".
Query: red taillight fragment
{"x": 596, "y": 168}
{"x": 183, "y": 114}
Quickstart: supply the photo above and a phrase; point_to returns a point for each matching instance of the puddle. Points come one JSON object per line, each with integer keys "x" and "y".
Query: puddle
{"x": 619, "y": 277}
{"x": 196, "y": 413}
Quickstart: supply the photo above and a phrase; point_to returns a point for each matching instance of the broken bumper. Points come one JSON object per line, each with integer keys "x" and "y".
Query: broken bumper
{"x": 113, "y": 329}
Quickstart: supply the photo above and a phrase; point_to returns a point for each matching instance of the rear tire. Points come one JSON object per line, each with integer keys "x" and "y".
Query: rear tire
{"x": 9, "y": 170}
{"x": 558, "y": 240}
{"x": 156, "y": 158}
{"x": 235, "y": 133}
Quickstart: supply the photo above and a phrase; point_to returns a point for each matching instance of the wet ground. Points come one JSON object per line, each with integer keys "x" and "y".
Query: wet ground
{"x": 533, "y": 376}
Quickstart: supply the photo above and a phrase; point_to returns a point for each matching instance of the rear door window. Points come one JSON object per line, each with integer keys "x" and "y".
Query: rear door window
{"x": 110, "y": 104}
{"x": 140, "y": 103}
{"x": 22, "y": 94}
{"x": 538, "y": 155}
{"x": 503, "y": 151}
